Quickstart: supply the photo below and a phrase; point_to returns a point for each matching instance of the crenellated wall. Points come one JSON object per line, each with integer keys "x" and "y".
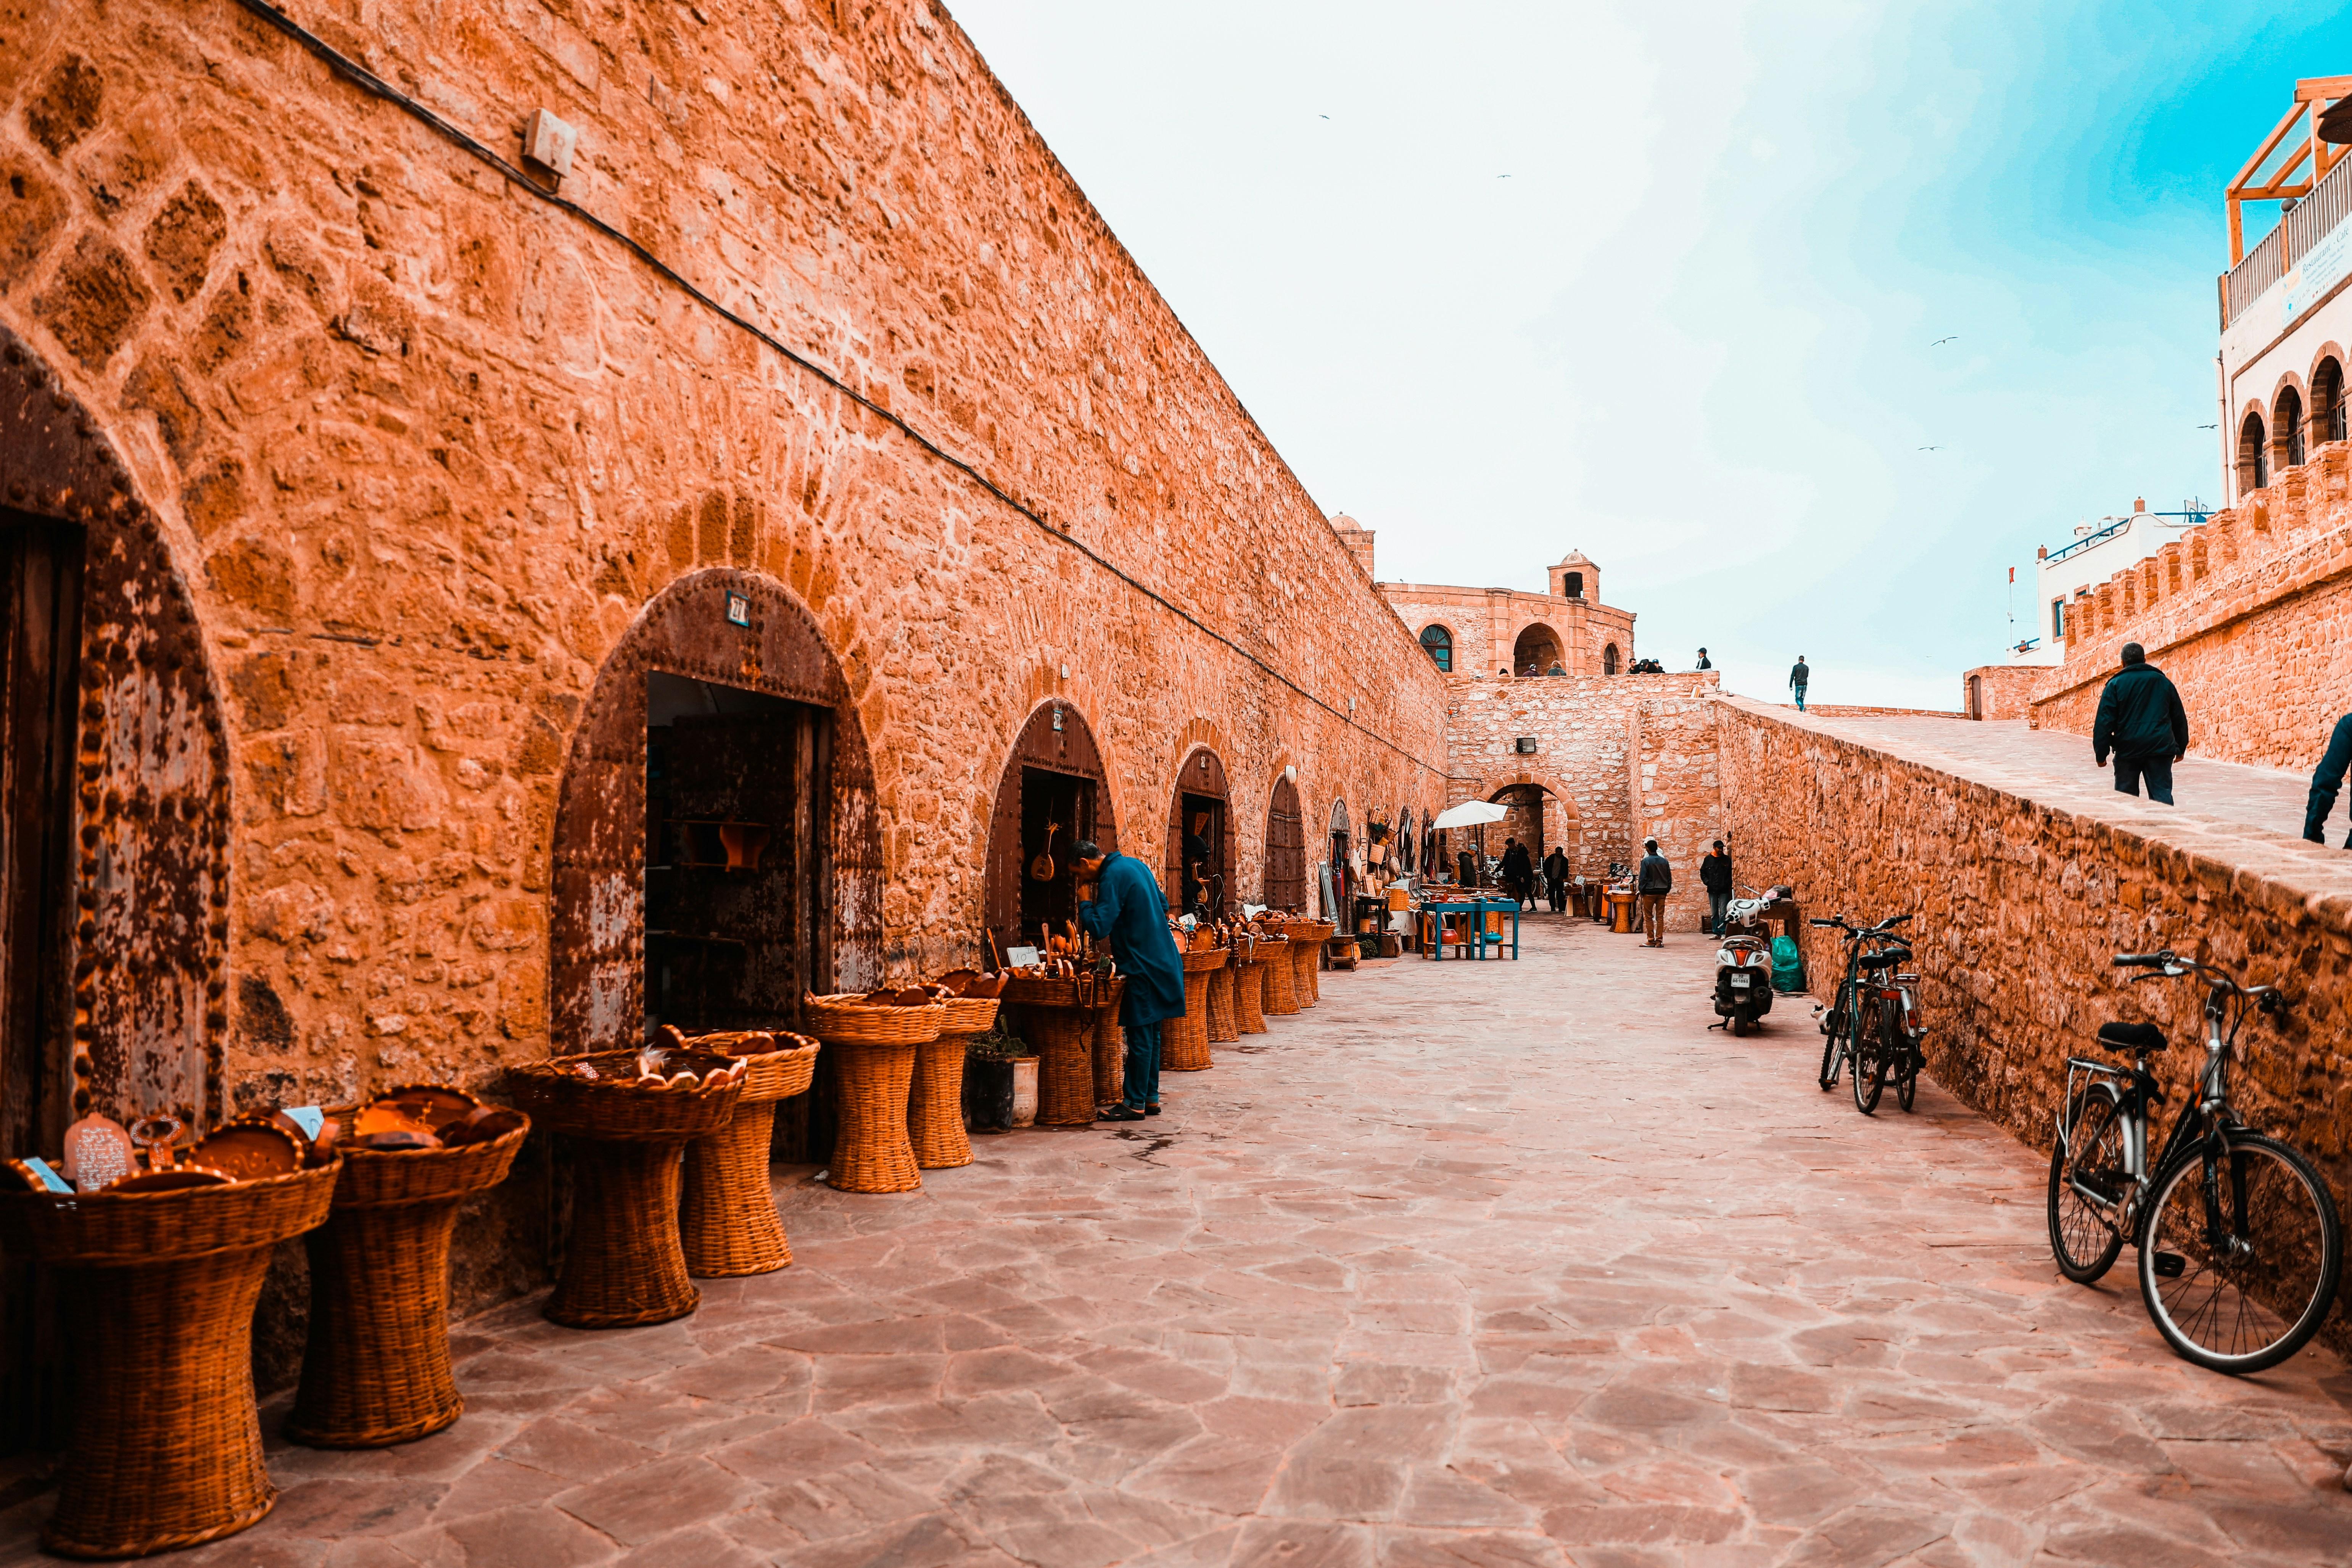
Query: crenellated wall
{"x": 2249, "y": 613}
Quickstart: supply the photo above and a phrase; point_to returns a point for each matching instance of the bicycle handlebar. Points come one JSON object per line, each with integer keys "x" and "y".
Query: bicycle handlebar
{"x": 2170, "y": 965}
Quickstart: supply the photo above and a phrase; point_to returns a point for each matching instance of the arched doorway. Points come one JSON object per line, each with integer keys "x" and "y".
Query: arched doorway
{"x": 2327, "y": 402}
{"x": 2289, "y": 426}
{"x": 114, "y": 829}
{"x": 716, "y": 852}
{"x": 1197, "y": 876}
{"x": 1339, "y": 889}
{"x": 2253, "y": 454}
{"x": 1537, "y": 650}
{"x": 1609, "y": 660}
{"x": 1285, "y": 848}
{"x": 1052, "y": 793}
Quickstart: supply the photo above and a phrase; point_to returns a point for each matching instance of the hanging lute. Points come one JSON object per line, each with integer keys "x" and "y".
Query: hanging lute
{"x": 1041, "y": 869}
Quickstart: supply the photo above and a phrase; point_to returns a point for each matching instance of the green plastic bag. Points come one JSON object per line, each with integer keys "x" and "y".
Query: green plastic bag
{"x": 1788, "y": 966}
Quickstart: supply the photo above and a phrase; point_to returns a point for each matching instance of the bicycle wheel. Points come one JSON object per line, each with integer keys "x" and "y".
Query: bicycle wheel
{"x": 1869, "y": 1060}
{"x": 2248, "y": 1289}
{"x": 1904, "y": 1052}
{"x": 1834, "y": 1048}
{"x": 2087, "y": 1184}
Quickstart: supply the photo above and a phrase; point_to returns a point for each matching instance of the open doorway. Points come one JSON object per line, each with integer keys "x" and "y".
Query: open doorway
{"x": 1052, "y": 794}
{"x": 1199, "y": 871}
{"x": 737, "y": 784}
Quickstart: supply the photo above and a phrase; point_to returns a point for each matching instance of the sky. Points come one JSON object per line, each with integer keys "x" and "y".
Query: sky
{"x": 1664, "y": 283}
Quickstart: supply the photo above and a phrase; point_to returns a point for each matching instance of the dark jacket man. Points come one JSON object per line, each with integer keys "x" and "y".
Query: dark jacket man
{"x": 1654, "y": 881}
{"x": 1714, "y": 872}
{"x": 1656, "y": 876}
{"x": 2142, "y": 722}
{"x": 2327, "y": 781}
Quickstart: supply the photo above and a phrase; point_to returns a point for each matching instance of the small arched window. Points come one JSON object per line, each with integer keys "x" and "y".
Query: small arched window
{"x": 1439, "y": 642}
{"x": 2289, "y": 426}
{"x": 1609, "y": 660}
{"x": 2327, "y": 401}
{"x": 1573, "y": 585}
{"x": 2253, "y": 454}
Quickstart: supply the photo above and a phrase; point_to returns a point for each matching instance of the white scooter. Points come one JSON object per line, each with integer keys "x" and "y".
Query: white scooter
{"x": 1743, "y": 973}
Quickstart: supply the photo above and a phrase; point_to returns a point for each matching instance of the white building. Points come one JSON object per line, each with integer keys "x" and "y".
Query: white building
{"x": 2097, "y": 551}
{"x": 2287, "y": 315}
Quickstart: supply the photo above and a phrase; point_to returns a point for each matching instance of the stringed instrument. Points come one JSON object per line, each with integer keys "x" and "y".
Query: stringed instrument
{"x": 1041, "y": 869}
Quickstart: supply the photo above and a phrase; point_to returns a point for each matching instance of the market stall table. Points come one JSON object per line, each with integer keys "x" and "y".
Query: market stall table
{"x": 1471, "y": 916}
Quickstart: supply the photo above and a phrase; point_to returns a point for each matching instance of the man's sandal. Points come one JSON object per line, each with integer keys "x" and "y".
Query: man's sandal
{"x": 1122, "y": 1113}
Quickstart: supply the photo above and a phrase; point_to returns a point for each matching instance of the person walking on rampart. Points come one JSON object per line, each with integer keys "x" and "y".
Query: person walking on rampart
{"x": 1798, "y": 679}
{"x": 1715, "y": 874}
{"x": 1703, "y": 662}
{"x": 2142, "y": 722}
{"x": 2324, "y": 783}
{"x": 1654, "y": 882}
{"x": 1118, "y": 900}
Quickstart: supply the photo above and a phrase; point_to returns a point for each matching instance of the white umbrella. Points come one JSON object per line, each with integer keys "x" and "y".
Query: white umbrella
{"x": 1470, "y": 813}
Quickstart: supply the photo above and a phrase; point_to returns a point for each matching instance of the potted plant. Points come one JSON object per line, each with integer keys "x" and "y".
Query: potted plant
{"x": 1000, "y": 1081}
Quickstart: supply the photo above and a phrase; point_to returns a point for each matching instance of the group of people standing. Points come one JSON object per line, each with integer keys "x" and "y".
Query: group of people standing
{"x": 1522, "y": 878}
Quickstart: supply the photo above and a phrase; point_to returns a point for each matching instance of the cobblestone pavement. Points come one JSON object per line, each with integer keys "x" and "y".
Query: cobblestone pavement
{"x": 1471, "y": 1265}
{"x": 2250, "y": 798}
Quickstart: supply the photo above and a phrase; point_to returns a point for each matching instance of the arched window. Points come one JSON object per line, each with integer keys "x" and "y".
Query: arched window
{"x": 2289, "y": 426}
{"x": 1609, "y": 660}
{"x": 2253, "y": 454}
{"x": 1440, "y": 644}
{"x": 1536, "y": 651}
{"x": 2327, "y": 402}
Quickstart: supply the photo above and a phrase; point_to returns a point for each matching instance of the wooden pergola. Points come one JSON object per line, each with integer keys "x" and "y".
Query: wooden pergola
{"x": 2303, "y": 161}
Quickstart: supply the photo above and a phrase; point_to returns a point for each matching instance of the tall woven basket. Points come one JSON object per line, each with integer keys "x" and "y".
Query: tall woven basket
{"x": 1281, "y": 980}
{"x": 874, "y": 1050}
{"x": 1109, "y": 1044}
{"x": 1249, "y": 988}
{"x": 1223, "y": 1024}
{"x": 375, "y": 1371}
{"x": 730, "y": 1226}
{"x": 1307, "y": 940}
{"x": 935, "y": 1101}
{"x": 1060, "y": 1019}
{"x": 1185, "y": 1042}
{"x": 623, "y": 1266}
{"x": 156, "y": 1291}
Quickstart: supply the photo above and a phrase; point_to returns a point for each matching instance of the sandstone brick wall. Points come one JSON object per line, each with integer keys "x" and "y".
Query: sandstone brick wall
{"x": 2248, "y": 613}
{"x": 1630, "y": 756}
{"x": 2023, "y": 892}
{"x": 426, "y": 449}
{"x": 2000, "y": 690}
{"x": 1485, "y": 623}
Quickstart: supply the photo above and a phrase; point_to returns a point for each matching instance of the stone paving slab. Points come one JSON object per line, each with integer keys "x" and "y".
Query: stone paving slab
{"x": 1472, "y": 1264}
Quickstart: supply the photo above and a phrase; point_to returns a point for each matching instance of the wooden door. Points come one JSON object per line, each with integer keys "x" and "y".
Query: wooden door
{"x": 1285, "y": 849}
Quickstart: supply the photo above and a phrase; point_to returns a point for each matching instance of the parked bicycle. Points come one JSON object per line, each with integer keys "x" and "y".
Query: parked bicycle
{"x": 1872, "y": 1028}
{"x": 2239, "y": 1246}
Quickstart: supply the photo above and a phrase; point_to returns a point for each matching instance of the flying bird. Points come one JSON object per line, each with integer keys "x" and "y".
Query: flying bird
{"x": 2208, "y": 427}
{"x": 1931, "y": 448}
{"x": 1322, "y": 117}
{"x": 1940, "y": 342}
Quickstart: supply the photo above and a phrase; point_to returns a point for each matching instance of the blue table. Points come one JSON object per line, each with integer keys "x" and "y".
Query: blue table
{"x": 1474, "y": 913}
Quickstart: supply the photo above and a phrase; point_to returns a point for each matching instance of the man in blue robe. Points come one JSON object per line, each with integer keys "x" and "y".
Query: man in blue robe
{"x": 1120, "y": 902}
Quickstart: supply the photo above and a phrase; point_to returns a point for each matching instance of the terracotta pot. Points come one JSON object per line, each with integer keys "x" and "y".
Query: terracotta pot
{"x": 1025, "y": 1091}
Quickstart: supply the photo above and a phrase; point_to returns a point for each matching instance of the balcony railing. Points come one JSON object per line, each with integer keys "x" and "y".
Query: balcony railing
{"x": 2101, "y": 537}
{"x": 2287, "y": 244}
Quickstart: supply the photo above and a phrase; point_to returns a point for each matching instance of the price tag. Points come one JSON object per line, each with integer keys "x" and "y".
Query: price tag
{"x": 50, "y": 1181}
{"x": 1021, "y": 957}
{"x": 309, "y": 1118}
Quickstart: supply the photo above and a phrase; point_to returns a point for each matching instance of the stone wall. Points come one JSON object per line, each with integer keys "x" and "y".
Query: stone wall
{"x": 1627, "y": 756}
{"x": 2248, "y": 613}
{"x": 1485, "y": 625}
{"x": 1993, "y": 691}
{"x": 2023, "y": 891}
{"x": 426, "y": 449}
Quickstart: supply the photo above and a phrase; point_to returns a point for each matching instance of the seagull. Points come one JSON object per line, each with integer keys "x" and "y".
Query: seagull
{"x": 1940, "y": 342}
{"x": 1931, "y": 448}
{"x": 1322, "y": 117}
{"x": 2208, "y": 427}
{"x": 1502, "y": 176}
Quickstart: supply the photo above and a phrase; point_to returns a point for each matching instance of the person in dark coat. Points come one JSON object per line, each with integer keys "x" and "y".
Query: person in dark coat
{"x": 1519, "y": 871}
{"x": 1119, "y": 900}
{"x": 1801, "y": 675}
{"x": 1703, "y": 662}
{"x": 1654, "y": 881}
{"x": 1555, "y": 872}
{"x": 2142, "y": 722}
{"x": 2326, "y": 780}
{"x": 1715, "y": 875}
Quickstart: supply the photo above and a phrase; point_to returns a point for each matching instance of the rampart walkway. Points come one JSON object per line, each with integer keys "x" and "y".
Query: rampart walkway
{"x": 1470, "y": 1265}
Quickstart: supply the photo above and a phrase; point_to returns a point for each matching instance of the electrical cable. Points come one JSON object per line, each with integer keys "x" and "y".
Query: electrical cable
{"x": 375, "y": 86}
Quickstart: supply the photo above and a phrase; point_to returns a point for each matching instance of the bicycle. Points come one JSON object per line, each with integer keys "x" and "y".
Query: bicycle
{"x": 1867, "y": 1026}
{"x": 2239, "y": 1246}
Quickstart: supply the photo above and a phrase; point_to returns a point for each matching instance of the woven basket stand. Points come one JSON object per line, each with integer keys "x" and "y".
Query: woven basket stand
{"x": 935, "y": 1127}
{"x": 1185, "y": 1042}
{"x": 728, "y": 1225}
{"x": 1222, "y": 1024}
{"x": 375, "y": 1368}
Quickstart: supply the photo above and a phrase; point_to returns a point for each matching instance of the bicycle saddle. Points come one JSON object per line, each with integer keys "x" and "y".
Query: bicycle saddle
{"x": 2132, "y": 1037}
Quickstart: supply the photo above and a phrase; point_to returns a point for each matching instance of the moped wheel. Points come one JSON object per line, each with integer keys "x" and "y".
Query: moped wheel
{"x": 1869, "y": 1062}
{"x": 1738, "y": 1025}
{"x": 2083, "y": 1237}
{"x": 2237, "y": 1277}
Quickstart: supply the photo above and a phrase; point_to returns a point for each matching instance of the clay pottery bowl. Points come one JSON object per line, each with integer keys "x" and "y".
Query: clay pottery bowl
{"x": 250, "y": 1150}
{"x": 171, "y": 1179}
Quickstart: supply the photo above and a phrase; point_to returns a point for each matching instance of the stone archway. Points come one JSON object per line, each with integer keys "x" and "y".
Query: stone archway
{"x": 1200, "y": 833}
{"x": 121, "y": 1003}
{"x": 596, "y": 919}
{"x": 1052, "y": 792}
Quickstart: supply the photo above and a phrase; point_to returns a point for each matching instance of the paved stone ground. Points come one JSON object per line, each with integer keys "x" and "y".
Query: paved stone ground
{"x": 1471, "y": 1265}
{"x": 2250, "y": 798}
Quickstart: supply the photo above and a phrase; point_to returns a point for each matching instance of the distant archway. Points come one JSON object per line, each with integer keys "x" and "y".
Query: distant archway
{"x": 2327, "y": 402}
{"x": 1538, "y": 648}
{"x": 1285, "y": 848}
{"x": 1198, "y": 874}
{"x": 2253, "y": 454}
{"x": 1438, "y": 643}
{"x": 1054, "y": 793}
{"x": 2288, "y": 422}
{"x": 1609, "y": 660}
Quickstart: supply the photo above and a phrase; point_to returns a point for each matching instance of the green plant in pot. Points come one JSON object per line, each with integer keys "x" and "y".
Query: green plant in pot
{"x": 997, "y": 1066}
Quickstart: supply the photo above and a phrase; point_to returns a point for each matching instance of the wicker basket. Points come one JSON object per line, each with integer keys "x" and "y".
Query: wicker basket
{"x": 1224, "y": 1025}
{"x": 375, "y": 1371}
{"x": 1063, "y": 1036}
{"x": 1281, "y": 984}
{"x": 730, "y": 1226}
{"x": 1185, "y": 1042}
{"x": 1249, "y": 986}
{"x": 1110, "y": 1058}
{"x": 935, "y": 1099}
{"x": 851, "y": 1020}
{"x": 872, "y": 1085}
{"x": 157, "y": 1291}
{"x": 1307, "y": 940}
{"x": 624, "y": 1265}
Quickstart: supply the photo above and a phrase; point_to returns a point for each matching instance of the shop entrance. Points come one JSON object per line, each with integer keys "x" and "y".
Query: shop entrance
{"x": 1053, "y": 796}
{"x": 1286, "y": 850}
{"x": 737, "y": 784}
{"x": 1340, "y": 892}
{"x": 1198, "y": 875}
